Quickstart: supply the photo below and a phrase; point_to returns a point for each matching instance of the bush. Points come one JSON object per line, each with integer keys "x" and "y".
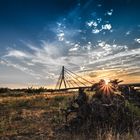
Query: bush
{"x": 35, "y": 91}
{"x": 4, "y": 90}
{"x": 59, "y": 98}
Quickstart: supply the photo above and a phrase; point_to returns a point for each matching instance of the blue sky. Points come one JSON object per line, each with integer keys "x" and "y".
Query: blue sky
{"x": 95, "y": 38}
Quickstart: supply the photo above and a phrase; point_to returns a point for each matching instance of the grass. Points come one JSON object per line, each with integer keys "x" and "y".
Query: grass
{"x": 134, "y": 109}
{"x": 38, "y": 117}
{"x": 34, "y": 116}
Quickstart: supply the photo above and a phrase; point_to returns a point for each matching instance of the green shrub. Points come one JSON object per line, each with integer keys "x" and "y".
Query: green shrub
{"x": 134, "y": 109}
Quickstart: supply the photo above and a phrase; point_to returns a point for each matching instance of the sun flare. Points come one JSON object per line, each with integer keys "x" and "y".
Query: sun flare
{"x": 106, "y": 81}
{"x": 105, "y": 86}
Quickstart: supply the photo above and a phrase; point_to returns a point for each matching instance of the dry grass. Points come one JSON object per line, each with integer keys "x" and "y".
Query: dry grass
{"x": 38, "y": 117}
{"x": 31, "y": 117}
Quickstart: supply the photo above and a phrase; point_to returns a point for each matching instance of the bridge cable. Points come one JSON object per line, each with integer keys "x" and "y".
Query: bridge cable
{"x": 78, "y": 76}
{"x": 72, "y": 80}
{"x": 58, "y": 82}
{"x": 69, "y": 81}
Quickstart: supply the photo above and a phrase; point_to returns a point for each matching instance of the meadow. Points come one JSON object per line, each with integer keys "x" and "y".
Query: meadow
{"x": 31, "y": 116}
{"x": 38, "y": 117}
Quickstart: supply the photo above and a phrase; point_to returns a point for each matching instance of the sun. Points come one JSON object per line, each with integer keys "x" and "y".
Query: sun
{"x": 106, "y": 81}
{"x": 106, "y": 87}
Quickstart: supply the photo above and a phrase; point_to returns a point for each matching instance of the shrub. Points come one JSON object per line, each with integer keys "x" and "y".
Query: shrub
{"x": 4, "y": 90}
{"x": 59, "y": 98}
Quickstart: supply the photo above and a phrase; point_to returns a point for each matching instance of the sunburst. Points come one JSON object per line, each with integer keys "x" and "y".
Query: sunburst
{"x": 106, "y": 87}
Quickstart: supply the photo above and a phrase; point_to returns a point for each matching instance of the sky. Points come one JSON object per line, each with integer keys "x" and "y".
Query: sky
{"x": 97, "y": 39}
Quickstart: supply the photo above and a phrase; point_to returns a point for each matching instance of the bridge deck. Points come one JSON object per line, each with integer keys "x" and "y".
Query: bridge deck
{"x": 130, "y": 84}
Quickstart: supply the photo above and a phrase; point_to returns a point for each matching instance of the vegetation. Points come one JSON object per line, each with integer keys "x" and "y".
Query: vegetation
{"x": 31, "y": 115}
{"x": 6, "y": 92}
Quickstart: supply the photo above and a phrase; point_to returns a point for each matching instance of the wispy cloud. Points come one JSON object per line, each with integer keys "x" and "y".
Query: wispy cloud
{"x": 127, "y": 33}
{"x": 17, "y": 53}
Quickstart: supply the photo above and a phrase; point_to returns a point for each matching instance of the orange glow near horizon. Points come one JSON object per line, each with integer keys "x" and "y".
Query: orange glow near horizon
{"x": 111, "y": 75}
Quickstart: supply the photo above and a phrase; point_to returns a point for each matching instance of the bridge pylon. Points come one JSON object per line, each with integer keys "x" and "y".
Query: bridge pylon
{"x": 61, "y": 79}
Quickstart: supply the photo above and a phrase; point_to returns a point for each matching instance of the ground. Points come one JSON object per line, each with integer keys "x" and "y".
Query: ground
{"x": 31, "y": 117}
{"x": 38, "y": 117}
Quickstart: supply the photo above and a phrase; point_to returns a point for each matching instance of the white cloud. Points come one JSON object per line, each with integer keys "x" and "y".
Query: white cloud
{"x": 127, "y": 33}
{"x": 101, "y": 43}
{"x": 99, "y": 20}
{"x": 24, "y": 69}
{"x": 110, "y": 12}
{"x": 137, "y": 40}
{"x": 95, "y": 24}
{"x": 92, "y": 24}
{"x": 89, "y": 23}
{"x": 60, "y": 36}
{"x": 106, "y": 27}
{"x": 95, "y": 31}
{"x": 73, "y": 49}
{"x": 82, "y": 68}
{"x": 117, "y": 55}
{"x": 17, "y": 53}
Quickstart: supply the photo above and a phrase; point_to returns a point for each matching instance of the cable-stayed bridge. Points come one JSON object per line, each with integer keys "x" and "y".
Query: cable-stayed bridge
{"x": 70, "y": 80}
